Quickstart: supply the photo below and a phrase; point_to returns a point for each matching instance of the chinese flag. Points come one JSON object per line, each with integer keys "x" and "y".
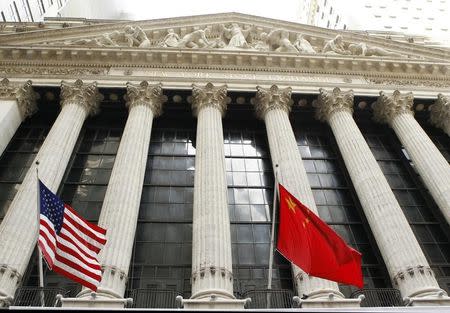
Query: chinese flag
{"x": 308, "y": 242}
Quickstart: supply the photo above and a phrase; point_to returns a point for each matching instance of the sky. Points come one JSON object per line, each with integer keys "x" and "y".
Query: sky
{"x": 280, "y": 9}
{"x": 287, "y": 10}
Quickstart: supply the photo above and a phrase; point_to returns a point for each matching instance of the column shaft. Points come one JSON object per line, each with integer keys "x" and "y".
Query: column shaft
{"x": 120, "y": 208}
{"x": 10, "y": 120}
{"x": 273, "y": 107}
{"x": 404, "y": 259}
{"x": 18, "y": 231}
{"x": 427, "y": 160}
{"x": 211, "y": 242}
{"x": 433, "y": 168}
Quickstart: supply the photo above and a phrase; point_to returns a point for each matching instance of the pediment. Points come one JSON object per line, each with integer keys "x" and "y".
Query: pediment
{"x": 221, "y": 32}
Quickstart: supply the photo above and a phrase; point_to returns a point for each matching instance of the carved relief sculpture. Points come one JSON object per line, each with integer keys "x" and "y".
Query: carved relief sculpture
{"x": 302, "y": 45}
{"x": 196, "y": 39}
{"x": 237, "y": 36}
{"x": 171, "y": 39}
{"x": 136, "y": 37}
{"x": 262, "y": 44}
{"x": 335, "y": 46}
{"x": 279, "y": 41}
{"x": 365, "y": 50}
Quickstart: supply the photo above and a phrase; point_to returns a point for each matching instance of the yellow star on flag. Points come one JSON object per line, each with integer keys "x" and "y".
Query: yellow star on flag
{"x": 305, "y": 222}
{"x": 291, "y": 204}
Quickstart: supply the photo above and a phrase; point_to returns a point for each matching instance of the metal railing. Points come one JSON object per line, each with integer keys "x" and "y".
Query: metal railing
{"x": 36, "y": 296}
{"x": 269, "y": 298}
{"x": 153, "y": 298}
{"x": 379, "y": 297}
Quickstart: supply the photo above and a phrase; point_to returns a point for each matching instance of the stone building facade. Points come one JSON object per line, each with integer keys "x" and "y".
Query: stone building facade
{"x": 167, "y": 133}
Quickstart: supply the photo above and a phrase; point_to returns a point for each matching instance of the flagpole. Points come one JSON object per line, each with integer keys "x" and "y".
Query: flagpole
{"x": 40, "y": 266}
{"x": 272, "y": 236}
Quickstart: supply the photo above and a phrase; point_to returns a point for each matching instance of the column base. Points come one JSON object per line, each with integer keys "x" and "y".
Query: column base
{"x": 330, "y": 302}
{"x": 212, "y": 303}
{"x": 94, "y": 302}
{"x": 439, "y": 300}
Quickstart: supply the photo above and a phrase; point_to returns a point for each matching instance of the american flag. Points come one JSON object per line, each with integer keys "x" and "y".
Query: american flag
{"x": 69, "y": 243}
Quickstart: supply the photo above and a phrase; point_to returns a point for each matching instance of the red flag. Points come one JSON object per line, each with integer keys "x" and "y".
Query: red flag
{"x": 308, "y": 242}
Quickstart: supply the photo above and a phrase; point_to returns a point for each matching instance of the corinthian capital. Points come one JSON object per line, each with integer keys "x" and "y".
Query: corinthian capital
{"x": 145, "y": 94}
{"x": 440, "y": 113}
{"x": 209, "y": 96}
{"x": 329, "y": 102}
{"x": 86, "y": 95}
{"x": 273, "y": 98}
{"x": 389, "y": 106}
{"x": 23, "y": 94}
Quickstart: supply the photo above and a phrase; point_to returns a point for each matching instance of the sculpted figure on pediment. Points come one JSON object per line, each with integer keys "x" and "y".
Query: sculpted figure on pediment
{"x": 136, "y": 37}
{"x": 335, "y": 46}
{"x": 236, "y": 35}
{"x": 365, "y": 50}
{"x": 196, "y": 39}
{"x": 302, "y": 45}
{"x": 262, "y": 44}
{"x": 279, "y": 41}
{"x": 131, "y": 36}
{"x": 171, "y": 39}
{"x": 106, "y": 40}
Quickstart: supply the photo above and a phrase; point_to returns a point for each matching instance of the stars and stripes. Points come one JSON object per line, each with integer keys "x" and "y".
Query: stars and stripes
{"x": 69, "y": 243}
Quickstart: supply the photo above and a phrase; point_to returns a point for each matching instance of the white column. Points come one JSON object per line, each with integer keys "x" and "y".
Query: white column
{"x": 404, "y": 259}
{"x": 433, "y": 168}
{"x": 17, "y": 102}
{"x": 273, "y": 106}
{"x": 123, "y": 196}
{"x": 211, "y": 241}
{"x": 18, "y": 231}
{"x": 440, "y": 113}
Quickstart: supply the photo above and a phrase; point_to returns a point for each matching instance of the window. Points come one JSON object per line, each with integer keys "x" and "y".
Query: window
{"x": 162, "y": 253}
{"x": 3, "y": 17}
{"x": 42, "y": 5}
{"x": 328, "y": 24}
{"x": 26, "y": 8}
{"x": 337, "y": 19}
{"x": 250, "y": 200}
{"x": 331, "y": 10}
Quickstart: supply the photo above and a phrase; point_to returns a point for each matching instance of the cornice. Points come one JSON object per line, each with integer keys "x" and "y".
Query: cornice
{"x": 225, "y": 60}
